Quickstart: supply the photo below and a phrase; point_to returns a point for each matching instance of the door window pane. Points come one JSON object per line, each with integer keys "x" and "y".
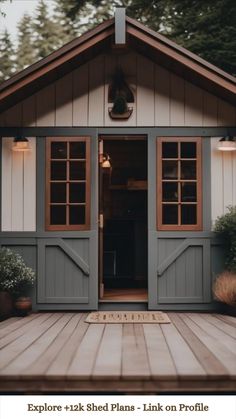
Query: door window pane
{"x": 169, "y": 150}
{"x": 188, "y": 169}
{"x": 58, "y": 150}
{"x": 58, "y": 170}
{"x": 179, "y": 183}
{"x": 169, "y": 169}
{"x": 58, "y": 192}
{"x": 170, "y": 191}
{"x": 188, "y": 214}
{"x": 77, "y": 150}
{"x": 58, "y": 214}
{"x": 77, "y": 214}
{"x": 188, "y": 150}
{"x": 77, "y": 170}
{"x": 170, "y": 214}
{"x": 77, "y": 192}
{"x": 189, "y": 192}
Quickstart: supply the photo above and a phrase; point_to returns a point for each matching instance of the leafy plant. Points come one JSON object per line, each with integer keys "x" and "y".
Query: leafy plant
{"x": 225, "y": 228}
{"x": 120, "y": 105}
{"x": 15, "y": 276}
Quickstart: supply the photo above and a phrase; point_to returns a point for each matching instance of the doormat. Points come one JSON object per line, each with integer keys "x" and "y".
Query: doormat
{"x": 127, "y": 317}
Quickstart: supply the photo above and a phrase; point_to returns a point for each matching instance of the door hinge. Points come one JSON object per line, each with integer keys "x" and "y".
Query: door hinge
{"x": 101, "y": 221}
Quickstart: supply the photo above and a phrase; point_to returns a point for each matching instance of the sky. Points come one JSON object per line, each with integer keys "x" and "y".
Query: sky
{"x": 14, "y": 10}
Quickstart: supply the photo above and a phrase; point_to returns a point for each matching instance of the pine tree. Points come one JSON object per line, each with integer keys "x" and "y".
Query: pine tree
{"x": 67, "y": 27}
{"x": 7, "y": 61}
{"x": 25, "y": 50}
{"x": 207, "y": 28}
{"x": 46, "y": 32}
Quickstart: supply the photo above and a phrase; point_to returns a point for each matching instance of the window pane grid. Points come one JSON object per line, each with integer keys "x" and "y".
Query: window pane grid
{"x": 67, "y": 199}
{"x": 179, "y": 184}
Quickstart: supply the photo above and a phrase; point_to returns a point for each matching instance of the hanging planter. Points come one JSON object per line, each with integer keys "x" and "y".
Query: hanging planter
{"x": 120, "y": 109}
{"x": 120, "y": 94}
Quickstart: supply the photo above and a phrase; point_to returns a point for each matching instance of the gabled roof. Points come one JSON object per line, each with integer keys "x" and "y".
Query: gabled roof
{"x": 147, "y": 42}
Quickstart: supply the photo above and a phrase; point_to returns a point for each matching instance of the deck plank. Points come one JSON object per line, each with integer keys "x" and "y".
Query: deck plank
{"x": 227, "y": 319}
{"x": 61, "y": 352}
{"x": 21, "y": 364}
{"x": 43, "y": 362}
{"x": 185, "y": 361}
{"x": 213, "y": 331}
{"x": 210, "y": 363}
{"x": 108, "y": 361}
{"x": 11, "y": 351}
{"x": 225, "y": 356}
{"x": 20, "y": 331}
{"x": 220, "y": 324}
{"x": 160, "y": 359}
{"x": 7, "y": 322}
{"x": 85, "y": 356}
{"x": 62, "y": 361}
{"x": 134, "y": 356}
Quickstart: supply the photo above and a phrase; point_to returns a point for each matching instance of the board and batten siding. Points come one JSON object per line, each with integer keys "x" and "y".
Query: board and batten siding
{"x": 81, "y": 98}
{"x": 223, "y": 180}
{"x": 18, "y": 187}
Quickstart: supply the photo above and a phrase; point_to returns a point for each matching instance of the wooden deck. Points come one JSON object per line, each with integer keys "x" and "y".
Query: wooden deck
{"x": 59, "y": 352}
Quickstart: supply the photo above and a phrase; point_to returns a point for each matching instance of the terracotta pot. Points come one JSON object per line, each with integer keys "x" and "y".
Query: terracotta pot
{"x": 23, "y": 306}
{"x": 6, "y": 305}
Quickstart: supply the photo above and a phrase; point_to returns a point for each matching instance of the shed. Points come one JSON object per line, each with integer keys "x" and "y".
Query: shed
{"x": 113, "y": 200}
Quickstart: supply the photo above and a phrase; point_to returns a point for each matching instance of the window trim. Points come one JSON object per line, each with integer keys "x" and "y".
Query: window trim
{"x": 183, "y": 227}
{"x": 67, "y": 227}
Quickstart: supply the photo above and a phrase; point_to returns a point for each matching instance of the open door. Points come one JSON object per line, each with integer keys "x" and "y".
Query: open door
{"x": 123, "y": 219}
{"x": 67, "y": 263}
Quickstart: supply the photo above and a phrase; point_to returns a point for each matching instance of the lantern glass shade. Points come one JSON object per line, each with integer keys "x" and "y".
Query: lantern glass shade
{"x": 106, "y": 163}
{"x": 21, "y": 144}
{"x": 227, "y": 144}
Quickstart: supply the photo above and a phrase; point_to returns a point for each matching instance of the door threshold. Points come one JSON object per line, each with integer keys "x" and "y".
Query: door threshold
{"x": 107, "y": 300}
{"x": 122, "y": 306}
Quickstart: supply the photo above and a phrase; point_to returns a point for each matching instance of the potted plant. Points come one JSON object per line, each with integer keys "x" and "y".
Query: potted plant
{"x": 16, "y": 279}
{"x": 225, "y": 284}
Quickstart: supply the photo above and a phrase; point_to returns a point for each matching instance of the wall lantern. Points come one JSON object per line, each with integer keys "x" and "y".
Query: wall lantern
{"x": 106, "y": 161}
{"x": 227, "y": 143}
{"x": 21, "y": 144}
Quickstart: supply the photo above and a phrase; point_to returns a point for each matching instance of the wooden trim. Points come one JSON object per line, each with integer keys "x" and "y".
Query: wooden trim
{"x": 171, "y": 44}
{"x": 67, "y": 226}
{"x": 24, "y": 83}
{"x": 159, "y": 180}
{"x": 128, "y": 137}
{"x": 216, "y": 78}
{"x": 191, "y": 62}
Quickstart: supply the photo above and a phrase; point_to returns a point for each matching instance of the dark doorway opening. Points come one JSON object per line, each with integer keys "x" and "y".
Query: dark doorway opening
{"x": 123, "y": 219}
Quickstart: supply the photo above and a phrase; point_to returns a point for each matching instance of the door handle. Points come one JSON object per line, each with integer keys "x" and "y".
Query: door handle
{"x": 101, "y": 221}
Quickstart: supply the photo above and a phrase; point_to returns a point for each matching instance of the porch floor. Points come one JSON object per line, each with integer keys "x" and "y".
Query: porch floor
{"x": 59, "y": 352}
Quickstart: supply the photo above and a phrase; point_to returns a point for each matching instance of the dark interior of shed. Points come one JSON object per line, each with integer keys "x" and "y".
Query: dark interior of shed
{"x": 123, "y": 202}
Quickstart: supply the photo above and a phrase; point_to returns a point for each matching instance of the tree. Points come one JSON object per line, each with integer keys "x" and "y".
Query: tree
{"x": 25, "y": 50}
{"x": 46, "y": 32}
{"x": 7, "y": 61}
{"x": 67, "y": 28}
{"x": 208, "y": 28}
{"x": 1, "y": 12}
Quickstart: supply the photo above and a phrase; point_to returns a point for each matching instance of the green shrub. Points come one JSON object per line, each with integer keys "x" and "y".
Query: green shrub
{"x": 120, "y": 105}
{"x": 15, "y": 276}
{"x": 225, "y": 228}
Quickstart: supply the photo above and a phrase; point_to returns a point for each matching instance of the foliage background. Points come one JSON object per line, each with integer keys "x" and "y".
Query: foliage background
{"x": 205, "y": 27}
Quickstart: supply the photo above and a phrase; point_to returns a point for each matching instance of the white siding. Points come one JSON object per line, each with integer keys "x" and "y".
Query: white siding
{"x": 18, "y": 187}
{"x": 223, "y": 180}
{"x": 161, "y": 98}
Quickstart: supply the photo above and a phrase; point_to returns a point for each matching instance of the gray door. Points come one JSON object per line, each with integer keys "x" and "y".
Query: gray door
{"x": 67, "y": 260}
{"x": 179, "y": 262}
